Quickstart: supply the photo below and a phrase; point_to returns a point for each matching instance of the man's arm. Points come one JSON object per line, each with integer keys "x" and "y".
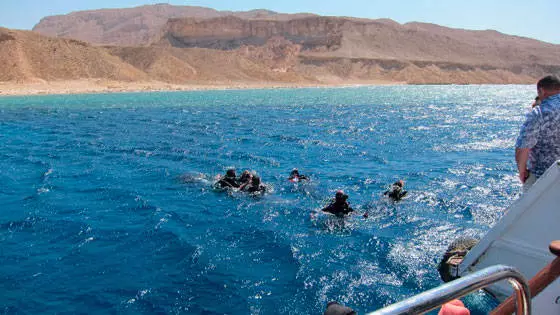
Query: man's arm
{"x": 521, "y": 157}
{"x": 528, "y": 138}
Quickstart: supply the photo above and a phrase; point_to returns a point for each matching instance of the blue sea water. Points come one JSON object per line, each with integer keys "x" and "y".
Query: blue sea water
{"x": 106, "y": 204}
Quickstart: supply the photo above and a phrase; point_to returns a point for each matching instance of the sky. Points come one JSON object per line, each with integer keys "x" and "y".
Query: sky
{"x": 539, "y": 19}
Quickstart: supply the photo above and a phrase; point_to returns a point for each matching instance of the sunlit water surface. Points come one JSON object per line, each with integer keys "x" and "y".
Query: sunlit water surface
{"x": 106, "y": 202}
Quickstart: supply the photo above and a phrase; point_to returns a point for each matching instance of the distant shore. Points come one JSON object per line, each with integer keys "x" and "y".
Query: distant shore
{"x": 105, "y": 86}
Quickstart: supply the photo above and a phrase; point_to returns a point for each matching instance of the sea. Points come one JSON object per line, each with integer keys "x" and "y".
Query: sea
{"x": 107, "y": 203}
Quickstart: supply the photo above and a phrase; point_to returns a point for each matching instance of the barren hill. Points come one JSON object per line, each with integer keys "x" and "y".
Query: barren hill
{"x": 27, "y": 56}
{"x": 132, "y": 26}
{"x": 206, "y": 66}
{"x": 30, "y": 57}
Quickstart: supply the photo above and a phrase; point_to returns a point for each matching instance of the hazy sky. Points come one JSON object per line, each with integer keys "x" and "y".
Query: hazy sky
{"x": 538, "y": 19}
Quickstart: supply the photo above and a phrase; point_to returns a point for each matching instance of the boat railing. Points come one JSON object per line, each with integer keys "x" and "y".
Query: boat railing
{"x": 432, "y": 299}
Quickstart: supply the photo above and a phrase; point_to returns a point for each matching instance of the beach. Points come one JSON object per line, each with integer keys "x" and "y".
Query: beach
{"x": 93, "y": 86}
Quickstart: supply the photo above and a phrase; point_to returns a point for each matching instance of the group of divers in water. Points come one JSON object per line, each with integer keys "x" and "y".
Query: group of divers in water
{"x": 339, "y": 205}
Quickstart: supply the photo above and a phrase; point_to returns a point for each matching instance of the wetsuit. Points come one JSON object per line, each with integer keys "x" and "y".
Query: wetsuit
{"x": 228, "y": 182}
{"x": 396, "y": 193}
{"x": 297, "y": 178}
{"x": 254, "y": 189}
{"x": 339, "y": 208}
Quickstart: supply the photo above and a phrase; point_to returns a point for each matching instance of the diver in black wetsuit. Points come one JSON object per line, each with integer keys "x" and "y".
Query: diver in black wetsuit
{"x": 245, "y": 177}
{"x": 339, "y": 206}
{"x": 397, "y": 191}
{"x": 254, "y": 186}
{"x": 229, "y": 180}
{"x": 295, "y": 176}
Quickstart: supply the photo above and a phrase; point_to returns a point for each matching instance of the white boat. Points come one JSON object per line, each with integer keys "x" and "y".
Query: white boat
{"x": 519, "y": 240}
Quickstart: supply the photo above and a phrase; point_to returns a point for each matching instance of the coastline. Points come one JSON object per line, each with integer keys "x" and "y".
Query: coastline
{"x": 100, "y": 86}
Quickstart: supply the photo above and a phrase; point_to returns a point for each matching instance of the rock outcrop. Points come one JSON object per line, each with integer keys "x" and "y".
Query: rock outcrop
{"x": 375, "y": 39}
{"x": 230, "y": 32}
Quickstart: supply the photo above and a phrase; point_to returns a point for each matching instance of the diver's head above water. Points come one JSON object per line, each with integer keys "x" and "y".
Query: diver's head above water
{"x": 294, "y": 173}
{"x": 230, "y": 173}
{"x": 245, "y": 176}
{"x": 340, "y": 196}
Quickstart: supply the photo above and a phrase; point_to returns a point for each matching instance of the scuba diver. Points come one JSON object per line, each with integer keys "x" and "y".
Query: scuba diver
{"x": 396, "y": 193}
{"x": 253, "y": 186}
{"x": 295, "y": 176}
{"x": 229, "y": 180}
{"x": 245, "y": 177}
{"x": 339, "y": 207}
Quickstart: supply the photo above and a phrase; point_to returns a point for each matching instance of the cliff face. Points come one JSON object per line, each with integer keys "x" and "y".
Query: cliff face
{"x": 230, "y": 32}
{"x": 352, "y": 38}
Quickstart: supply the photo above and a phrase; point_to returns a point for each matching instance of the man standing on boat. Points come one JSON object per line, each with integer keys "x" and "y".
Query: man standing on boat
{"x": 538, "y": 144}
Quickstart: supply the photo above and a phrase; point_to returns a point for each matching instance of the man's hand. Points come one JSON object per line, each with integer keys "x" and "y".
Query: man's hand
{"x": 523, "y": 175}
{"x": 454, "y": 307}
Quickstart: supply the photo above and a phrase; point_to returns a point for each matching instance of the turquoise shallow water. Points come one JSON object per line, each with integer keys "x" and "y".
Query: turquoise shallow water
{"x": 106, "y": 202}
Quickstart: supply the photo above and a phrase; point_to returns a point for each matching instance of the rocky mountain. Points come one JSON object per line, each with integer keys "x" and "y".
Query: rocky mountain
{"x": 193, "y": 45}
{"x": 133, "y": 26}
{"x": 30, "y": 57}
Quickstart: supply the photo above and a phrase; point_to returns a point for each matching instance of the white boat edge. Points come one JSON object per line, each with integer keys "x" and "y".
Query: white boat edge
{"x": 521, "y": 238}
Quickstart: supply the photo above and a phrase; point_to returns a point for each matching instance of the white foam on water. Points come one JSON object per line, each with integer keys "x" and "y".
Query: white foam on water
{"x": 43, "y": 190}
{"x": 87, "y": 240}
{"x": 371, "y": 275}
{"x": 449, "y": 184}
{"x": 486, "y": 145}
{"x": 419, "y": 128}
